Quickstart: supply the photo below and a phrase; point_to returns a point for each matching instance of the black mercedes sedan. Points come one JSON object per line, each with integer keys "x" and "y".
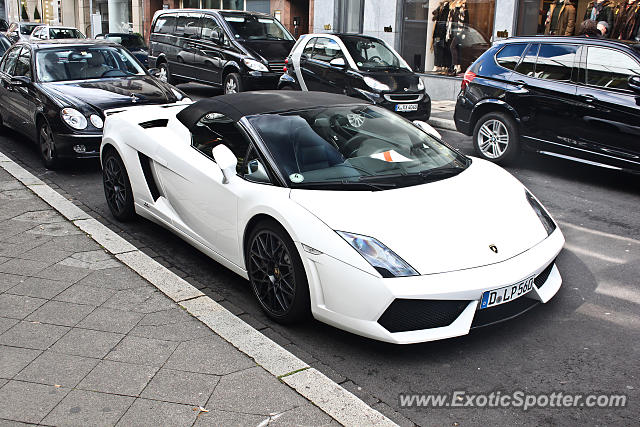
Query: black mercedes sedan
{"x": 57, "y": 92}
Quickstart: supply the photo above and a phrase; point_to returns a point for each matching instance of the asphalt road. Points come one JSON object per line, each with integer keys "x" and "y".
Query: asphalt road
{"x": 586, "y": 340}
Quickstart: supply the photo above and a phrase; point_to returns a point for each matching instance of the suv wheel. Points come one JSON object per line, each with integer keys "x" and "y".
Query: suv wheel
{"x": 232, "y": 83}
{"x": 495, "y": 138}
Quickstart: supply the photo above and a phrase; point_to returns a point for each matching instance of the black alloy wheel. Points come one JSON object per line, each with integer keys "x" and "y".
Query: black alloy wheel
{"x": 117, "y": 188}
{"x": 47, "y": 146}
{"x": 276, "y": 273}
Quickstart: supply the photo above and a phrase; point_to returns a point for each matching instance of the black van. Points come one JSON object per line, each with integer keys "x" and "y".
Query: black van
{"x": 233, "y": 49}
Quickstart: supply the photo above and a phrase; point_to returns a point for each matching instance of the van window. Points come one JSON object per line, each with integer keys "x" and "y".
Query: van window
{"x": 165, "y": 24}
{"x": 528, "y": 64}
{"x": 211, "y": 30}
{"x": 610, "y": 68}
{"x": 555, "y": 61}
{"x": 510, "y": 55}
{"x": 188, "y": 26}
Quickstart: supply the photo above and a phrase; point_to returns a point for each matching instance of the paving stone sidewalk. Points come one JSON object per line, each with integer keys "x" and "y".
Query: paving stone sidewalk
{"x": 86, "y": 341}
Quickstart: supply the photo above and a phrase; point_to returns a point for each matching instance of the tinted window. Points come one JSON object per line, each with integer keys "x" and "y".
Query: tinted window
{"x": 528, "y": 64}
{"x": 23, "y": 65}
{"x": 10, "y": 60}
{"x": 210, "y": 29}
{"x": 165, "y": 24}
{"x": 610, "y": 68}
{"x": 309, "y": 47}
{"x": 251, "y": 27}
{"x": 326, "y": 50}
{"x": 371, "y": 54}
{"x": 555, "y": 61}
{"x": 64, "y": 33}
{"x": 510, "y": 55}
{"x": 188, "y": 26}
{"x": 27, "y": 29}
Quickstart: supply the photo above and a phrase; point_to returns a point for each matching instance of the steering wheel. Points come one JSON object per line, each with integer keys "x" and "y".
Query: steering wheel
{"x": 353, "y": 145}
{"x": 337, "y": 127}
{"x": 375, "y": 58}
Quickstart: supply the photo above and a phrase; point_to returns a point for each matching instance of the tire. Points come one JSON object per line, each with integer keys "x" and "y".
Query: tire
{"x": 47, "y": 146}
{"x": 496, "y": 138}
{"x": 276, "y": 273}
{"x": 164, "y": 73}
{"x": 117, "y": 187}
{"x": 232, "y": 83}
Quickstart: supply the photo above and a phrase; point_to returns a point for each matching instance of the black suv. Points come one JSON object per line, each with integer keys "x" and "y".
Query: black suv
{"x": 235, "y": 50}
{"x": 569, "y": 97}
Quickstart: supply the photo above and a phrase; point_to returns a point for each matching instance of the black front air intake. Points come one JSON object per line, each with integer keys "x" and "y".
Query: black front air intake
{"x": 503, "y": 312}
{"x": 541, "y": 278}
{"x": 413, "y": 314}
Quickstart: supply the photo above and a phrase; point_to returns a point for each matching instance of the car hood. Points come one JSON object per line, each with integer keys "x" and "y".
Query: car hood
{"x": 271, "y": 50}
{"x": 440, "y": 226}
{"x": 397, "y": 81}
{"x": 104, "y": 94}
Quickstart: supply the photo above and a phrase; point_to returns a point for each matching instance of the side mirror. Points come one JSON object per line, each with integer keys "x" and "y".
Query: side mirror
{"x": 20, "y": 81}
{"x": 154, "y": 72}
{"x": 427, "y": 128}
{"x": 226, "y": 160}
{"x": 338, "y": 62}
{"x": 634, "y": 83}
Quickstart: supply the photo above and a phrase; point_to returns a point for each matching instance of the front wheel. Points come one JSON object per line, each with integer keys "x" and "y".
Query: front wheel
{"x": 117, "y": 187}
{"x": 47, "y": 146}
{"x": 276, "y": 273}
{"x": 495, "y": 138}
{"x": 232, "y": 83}
{"x": 163, "y": 73}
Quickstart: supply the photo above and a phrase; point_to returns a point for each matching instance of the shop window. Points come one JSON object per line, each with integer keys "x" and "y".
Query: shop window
{"x": 528, "y": 64}
{"x": 510, "y": 55}
{"x": 350, "y": 15}
{"x": 555, "y": 61}
{"x": 610, "y": 68}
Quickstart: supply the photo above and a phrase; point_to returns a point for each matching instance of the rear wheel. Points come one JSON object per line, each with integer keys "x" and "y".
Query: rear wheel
{"x": 495, "y": 138}
{"x": 117, "y": 187}
{"x": 232, "y": 83}
{"x": 276, "y": 273}
{"x": 47, "y": 146}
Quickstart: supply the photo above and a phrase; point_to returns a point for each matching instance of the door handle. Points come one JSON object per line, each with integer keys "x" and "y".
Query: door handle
{"x": 520, "y": 83}
{"x": 588, "y": 97}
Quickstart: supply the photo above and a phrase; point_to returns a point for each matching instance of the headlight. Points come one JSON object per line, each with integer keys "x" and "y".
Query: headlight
{"x": 254, "y": 65}
{"x": 374, "y": 84}
{"x": 383, "y": 259}
{"x": 544, "y": 217}
{"x": 420, "y": 84}
{"x": 74, "y": 118}
{"x": 96, "y": 121}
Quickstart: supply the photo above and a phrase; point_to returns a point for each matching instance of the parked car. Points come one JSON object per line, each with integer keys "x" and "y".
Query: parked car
{"x": 53, "y": 32}
{"x": 21, "y": 31}
{"x": 307, "y": 195}
{"x": 361, "y": 66}
{"x": 237, "y": 51}
{"x": 5, "y": 44}
{"x": 4, "y": 25}
{"x": 569, "y": 97}
{"x": 56, "y": 92}
{"x": 134, "y": 43}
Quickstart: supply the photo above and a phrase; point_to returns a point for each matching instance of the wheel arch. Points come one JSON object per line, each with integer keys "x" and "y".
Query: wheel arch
{"x": 491, "y": 106}
{"x": 230, "y": 67}
{"x": 251, "y": 224}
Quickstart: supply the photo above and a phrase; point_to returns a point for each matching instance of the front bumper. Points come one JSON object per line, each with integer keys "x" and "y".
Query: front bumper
{"x": 391, "y": 100}
{"x": 354, "y": 300}
{"x": 257, "y": 80}
{"x": 65, "y": 144}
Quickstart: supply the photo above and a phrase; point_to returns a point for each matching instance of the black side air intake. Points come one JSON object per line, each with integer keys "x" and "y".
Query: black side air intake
{"x": 145, "y": 162}
{"x": 414, "y": 314}
{"x": 158, "y": 123}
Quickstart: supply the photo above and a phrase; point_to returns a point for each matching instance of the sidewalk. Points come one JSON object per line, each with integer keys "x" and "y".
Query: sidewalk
{"x": 442, "y": 114}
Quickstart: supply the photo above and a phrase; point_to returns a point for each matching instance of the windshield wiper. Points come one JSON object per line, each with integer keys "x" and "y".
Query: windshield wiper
{"x": 440, "y": 173}
{"x": 347, "y": 183}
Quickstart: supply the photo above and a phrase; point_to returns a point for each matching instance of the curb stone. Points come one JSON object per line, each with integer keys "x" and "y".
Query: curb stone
{"x": 330, "y": 397}
{"x": 442, "y": 123}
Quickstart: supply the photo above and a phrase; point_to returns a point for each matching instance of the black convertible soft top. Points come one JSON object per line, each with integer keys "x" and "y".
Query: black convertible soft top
{"x": 238, "y": 105}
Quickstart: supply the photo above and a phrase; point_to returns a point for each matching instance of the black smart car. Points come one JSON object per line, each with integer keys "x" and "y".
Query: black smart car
{"x": 356, "y": 65}
{"x": 569, "y": 97}
{"x": 235, "y": 50}
{"x": 56, "y": 92}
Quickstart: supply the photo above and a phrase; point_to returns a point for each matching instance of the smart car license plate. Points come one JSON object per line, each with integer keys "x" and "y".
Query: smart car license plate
{"x": 507, "y": 294}
{"x": 406, "y": 107}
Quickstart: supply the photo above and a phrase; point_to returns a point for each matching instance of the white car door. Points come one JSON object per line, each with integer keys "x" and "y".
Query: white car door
{"x": 206, "y": 208}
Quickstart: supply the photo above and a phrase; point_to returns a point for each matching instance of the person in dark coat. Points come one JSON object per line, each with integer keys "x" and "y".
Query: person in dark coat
{"x": 600, "y": 10}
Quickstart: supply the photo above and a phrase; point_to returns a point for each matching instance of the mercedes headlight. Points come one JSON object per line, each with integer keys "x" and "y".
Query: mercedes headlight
{"x": 383, "y": 259}
{"x": 96, "y": 121}
{"x": 376, "y": 85}
{"x": 254, "y": 65}
{"x": 544, "y": 217}
{"x": 420, "y": 84}
{"x": 74, "y": 118}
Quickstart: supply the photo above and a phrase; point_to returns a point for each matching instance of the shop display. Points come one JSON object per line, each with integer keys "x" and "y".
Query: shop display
{"x": 441, "y": 52}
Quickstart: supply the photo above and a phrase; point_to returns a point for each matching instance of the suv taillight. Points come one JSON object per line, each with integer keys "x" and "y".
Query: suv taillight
{"x": 468, "y": 78}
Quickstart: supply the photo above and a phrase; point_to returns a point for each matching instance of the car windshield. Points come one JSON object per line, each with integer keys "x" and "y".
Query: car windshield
{"x": 373, "y": 55}
{"x": 65, "y": 33}
{"x": 354, "y": 147}
{"x": 130, "y": 41}
{"x": 85, "y": 62}
{"x": 27, "y": 29}
{"x": 250, "y": 27}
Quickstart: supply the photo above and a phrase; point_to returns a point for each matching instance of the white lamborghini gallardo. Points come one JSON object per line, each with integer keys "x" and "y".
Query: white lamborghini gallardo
{"x": 336, "y": 208}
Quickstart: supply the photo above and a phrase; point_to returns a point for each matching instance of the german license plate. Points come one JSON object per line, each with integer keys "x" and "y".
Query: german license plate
{"x": 506, "y": 294}
{"x": 406, "y": 107}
